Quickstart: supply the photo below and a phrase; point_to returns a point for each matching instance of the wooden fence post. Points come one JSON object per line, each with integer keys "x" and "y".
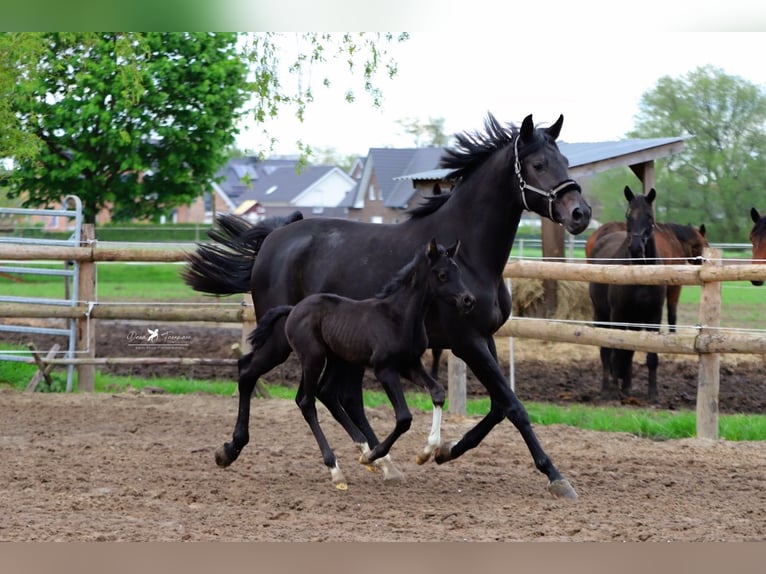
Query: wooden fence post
{"x": 709, "y": 363}
{"x": 85, "y": 345}
{"x": 456, "y": 385}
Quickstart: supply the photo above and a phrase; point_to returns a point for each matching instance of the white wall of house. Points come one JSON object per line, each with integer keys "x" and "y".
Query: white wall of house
{"x": 326, "y": 192}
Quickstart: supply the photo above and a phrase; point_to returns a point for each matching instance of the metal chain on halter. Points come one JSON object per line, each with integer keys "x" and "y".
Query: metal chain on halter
{"x": 551, "y": 195}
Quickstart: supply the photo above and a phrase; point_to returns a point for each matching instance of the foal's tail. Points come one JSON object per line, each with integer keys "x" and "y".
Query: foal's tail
{"x": 224, "y": 269}
{"x": 265, "y": 328}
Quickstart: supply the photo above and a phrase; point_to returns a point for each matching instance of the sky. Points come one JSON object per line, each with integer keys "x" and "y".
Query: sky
{"x": 594, "y": 79}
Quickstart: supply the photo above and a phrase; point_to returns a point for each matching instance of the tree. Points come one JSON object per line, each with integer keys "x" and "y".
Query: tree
{"x": 720, "y": 173}
{"x": 141, "y": 122}
{"x": 135, "y": 122}
{"x": 425, "y": 133}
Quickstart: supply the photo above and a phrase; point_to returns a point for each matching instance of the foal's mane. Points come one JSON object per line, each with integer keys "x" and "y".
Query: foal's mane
{"x": 402, "y": 277}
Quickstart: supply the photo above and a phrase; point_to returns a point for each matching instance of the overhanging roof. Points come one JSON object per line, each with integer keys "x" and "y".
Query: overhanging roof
{"x": 590, "y": 158}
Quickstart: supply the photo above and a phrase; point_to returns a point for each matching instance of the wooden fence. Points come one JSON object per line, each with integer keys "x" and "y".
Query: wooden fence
{"x": 708, "y": 343}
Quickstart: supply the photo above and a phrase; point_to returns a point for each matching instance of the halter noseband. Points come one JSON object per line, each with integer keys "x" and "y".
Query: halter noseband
{"x": 551, "y": 195}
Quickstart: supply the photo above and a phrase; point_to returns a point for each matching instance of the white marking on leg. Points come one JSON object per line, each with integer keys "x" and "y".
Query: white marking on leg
{"x": 337, "y": 477}
{"x": 434, "y": 438}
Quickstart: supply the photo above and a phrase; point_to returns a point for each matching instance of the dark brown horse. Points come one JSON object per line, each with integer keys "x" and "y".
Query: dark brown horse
{"x": 675, "y": 244}
{"x": 386, "y": 333}
{"x": 628, "y": 306}
{"x": 498, "y": 173}
{"x": 758, "y": 239}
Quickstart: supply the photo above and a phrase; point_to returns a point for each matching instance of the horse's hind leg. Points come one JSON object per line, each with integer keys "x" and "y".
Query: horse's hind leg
{"x": 673, "y": 296}
{"x": 312, "y": 366}
{"x": 251, "y": 366}
{"x": 652, "y": 361}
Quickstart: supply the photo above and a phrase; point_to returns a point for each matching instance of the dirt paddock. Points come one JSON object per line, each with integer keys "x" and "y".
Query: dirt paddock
{"x": 139, "y": 467}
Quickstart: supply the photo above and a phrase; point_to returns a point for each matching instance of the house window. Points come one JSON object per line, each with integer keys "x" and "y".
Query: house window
{"x": 376, "y": 219}
{"x": 371, "y": 192}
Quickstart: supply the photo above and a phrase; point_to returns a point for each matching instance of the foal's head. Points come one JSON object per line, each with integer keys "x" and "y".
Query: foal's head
{"x": 639, "y": 219}
{"x": 758, "y": 239}
{"x": 444, "y": 278}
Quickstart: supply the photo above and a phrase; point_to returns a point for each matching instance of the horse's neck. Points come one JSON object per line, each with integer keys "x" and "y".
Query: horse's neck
{"x": 484, "y": 213}
{"x": 409, "y": 302}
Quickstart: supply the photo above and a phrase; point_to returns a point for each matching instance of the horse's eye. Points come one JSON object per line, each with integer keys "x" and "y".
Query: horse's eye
{"x": 442, "y": 276}
{"x": 538, "y": 166}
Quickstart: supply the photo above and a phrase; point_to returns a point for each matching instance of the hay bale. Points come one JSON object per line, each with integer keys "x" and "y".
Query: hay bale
{"x": 573, "y": 300}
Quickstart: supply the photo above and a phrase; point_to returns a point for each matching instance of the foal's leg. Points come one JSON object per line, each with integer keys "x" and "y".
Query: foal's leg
{"x": 341, "y": 392}
{"x": 418, "y": 375}
{"x": 251, "y": 366}
{"x": 312, "y": 364}
{"x": 389, "y": 377}
{"x": 504, "y": 402}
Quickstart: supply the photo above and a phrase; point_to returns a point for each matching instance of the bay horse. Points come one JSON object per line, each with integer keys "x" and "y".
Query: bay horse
{"x": 758, "y": 239}
{"x": 675, "y": 243}
{"x": 386, "y": 332}
{"x": 628, "y": 306}
{"x": 498, "y": 174}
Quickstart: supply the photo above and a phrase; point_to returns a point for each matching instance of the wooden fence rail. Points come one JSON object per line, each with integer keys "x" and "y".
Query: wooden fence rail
{"x": 707, "y": 342}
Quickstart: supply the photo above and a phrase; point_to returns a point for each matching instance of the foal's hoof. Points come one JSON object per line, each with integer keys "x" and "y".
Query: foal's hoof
{"x": 423, "y": 457}
{"x": 444, "y": 452}
{"x": 562, "y": 489}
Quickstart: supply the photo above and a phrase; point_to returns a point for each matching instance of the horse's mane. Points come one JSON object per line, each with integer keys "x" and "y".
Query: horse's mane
{"x": 473, "y": 148}
{"x": 402, "y": 277}
{"x": 471, "y": 151}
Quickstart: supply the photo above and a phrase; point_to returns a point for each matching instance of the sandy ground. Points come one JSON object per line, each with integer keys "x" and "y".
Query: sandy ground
{"x": 139, "y": 467}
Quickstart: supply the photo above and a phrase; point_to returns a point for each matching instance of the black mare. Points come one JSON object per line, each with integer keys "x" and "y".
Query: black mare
{"x": 498, "y": 173}
{"x": 629, "y": 306}
{"x": 758, "y": 239}
{"x": 386, "y": 332}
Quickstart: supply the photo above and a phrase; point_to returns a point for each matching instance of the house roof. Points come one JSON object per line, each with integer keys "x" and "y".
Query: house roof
{"x": 283, "y": 184}
{"x": 588, "y": 158}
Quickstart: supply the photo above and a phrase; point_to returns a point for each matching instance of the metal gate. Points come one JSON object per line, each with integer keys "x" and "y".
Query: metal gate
{"x": 72, "y": 209}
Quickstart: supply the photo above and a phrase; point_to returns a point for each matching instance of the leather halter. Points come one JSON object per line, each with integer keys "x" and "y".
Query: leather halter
{"x": 551, "y": 195}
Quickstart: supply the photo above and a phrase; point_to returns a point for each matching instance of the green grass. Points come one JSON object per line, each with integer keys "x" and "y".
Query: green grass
{"x": 646, "y": 423}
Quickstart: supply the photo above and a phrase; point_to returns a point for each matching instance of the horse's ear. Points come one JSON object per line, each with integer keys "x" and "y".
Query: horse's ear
{"x": 651, "y": 195}
{"x": 527, "y": 129}
{"x": 628, "y": 194}
{"x": 452, "y": 251}
{"x": 555, "y": 129}
{"x": 754, "y": 215}
{"x": 432, "y": 250}
{"x": 702, "y": 230}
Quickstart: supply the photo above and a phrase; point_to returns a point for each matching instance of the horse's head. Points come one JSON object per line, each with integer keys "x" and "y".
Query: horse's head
{"x": 639, "y": 219}
{"x": 758, "y": 239}
{"x": 444, "y": 279}
{"x": 695, "y": 243}
{"x": 543, "y": 177}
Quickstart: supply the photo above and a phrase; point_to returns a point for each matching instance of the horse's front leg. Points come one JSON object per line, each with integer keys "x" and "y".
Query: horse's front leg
{"x": 341, "y": 392}
{"x": 504, "y": 403}
{"x": 389, "y": 377}
{"x": 418, "y": 375}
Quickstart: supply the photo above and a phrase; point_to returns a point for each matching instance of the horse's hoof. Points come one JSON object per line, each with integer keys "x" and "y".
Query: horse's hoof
{"x": 444, "y": 452}
{"x": 562, "y": 489}
{"x": 341, "y": 486}
{"x": 423, "y": 457}
{"x": 221, "y": 458}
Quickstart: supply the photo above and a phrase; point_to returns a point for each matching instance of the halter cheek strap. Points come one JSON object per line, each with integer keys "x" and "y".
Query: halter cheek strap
{"x": 550, "y": 195}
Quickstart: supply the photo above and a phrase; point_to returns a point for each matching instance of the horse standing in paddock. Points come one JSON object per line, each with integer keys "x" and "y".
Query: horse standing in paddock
{"x": 498, "y": 173}
{"x": 631, "y": 306}
{"x": 675, "y": 244}
{"x": 758, "y": 239}
{"x": 386, "y": 333}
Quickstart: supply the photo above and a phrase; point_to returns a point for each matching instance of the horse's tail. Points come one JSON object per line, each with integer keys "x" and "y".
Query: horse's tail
{"x": 224, "y": 269}
{"x": 262, "y": 332}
